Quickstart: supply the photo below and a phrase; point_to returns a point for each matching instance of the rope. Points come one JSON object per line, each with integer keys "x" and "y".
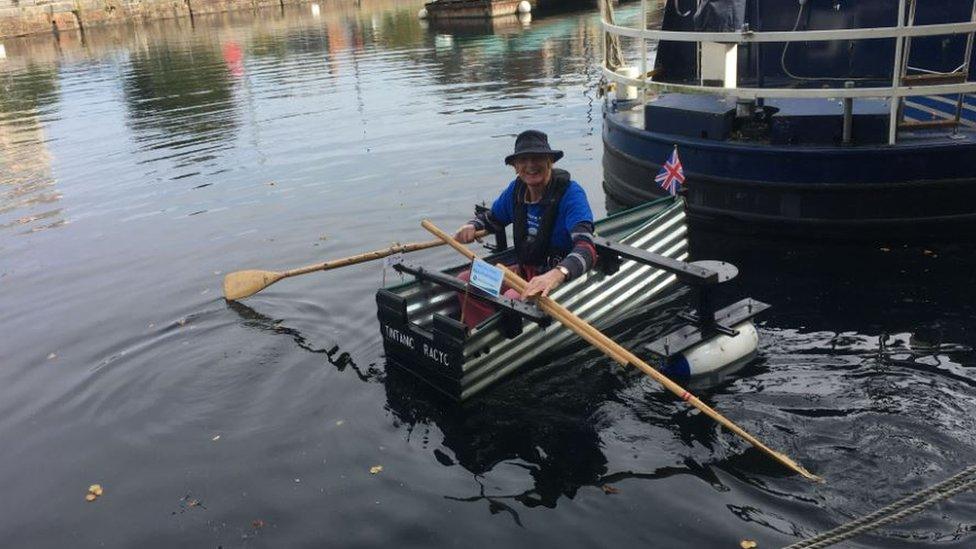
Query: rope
{"x": 614, "y": 58}
{"x": 966, "y": 480}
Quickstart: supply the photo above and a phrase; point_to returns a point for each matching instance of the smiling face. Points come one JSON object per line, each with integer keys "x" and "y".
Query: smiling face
{"x": 534, "y": 169}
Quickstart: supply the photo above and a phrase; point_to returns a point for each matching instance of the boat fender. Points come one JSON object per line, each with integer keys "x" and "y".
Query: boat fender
{"x": 422, "y": 14}
{"x": 714, "y": 354}
{"x": 628, "y": 92}
{"x": 524, "y": 7}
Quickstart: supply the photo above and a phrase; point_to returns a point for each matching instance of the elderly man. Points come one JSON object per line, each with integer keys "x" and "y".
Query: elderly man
{"x": 553, "y": 223}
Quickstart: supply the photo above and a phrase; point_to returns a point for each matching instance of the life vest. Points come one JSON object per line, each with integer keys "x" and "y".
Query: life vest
{"x": 537, "y": 250}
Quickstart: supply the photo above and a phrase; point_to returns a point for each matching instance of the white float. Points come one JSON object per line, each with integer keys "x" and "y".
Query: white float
{"x": 716, "y": 353}
{"x": 524, "y": 7}
{"x": 316, "y": 11}
{"x": 422, "y": 14}
{"x": 3, "y": 52}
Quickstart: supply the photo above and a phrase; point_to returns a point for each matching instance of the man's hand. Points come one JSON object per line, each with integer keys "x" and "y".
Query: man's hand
{"x": 466, "y": 234}
{"x": 543, "y": 284}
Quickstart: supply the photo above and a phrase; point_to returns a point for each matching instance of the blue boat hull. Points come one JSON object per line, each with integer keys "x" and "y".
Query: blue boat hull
{"x": 913, "y": 189}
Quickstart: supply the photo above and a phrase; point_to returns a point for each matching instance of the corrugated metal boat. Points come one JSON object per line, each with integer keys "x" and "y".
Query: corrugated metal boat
{"x": 421, "y": 333}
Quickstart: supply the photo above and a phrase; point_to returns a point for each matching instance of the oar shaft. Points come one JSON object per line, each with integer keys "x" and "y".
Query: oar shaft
{"x": 519, "y": 284}
{"x": 368, "y": 256}
{"x": 623, "y": 356}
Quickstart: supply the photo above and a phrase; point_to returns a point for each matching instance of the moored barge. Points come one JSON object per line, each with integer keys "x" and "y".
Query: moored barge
{"x": 813, "y": 118}
{"x": 460, "y": 9}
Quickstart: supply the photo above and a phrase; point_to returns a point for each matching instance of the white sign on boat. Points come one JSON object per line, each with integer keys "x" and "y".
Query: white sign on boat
{"x": 486, "y": 277}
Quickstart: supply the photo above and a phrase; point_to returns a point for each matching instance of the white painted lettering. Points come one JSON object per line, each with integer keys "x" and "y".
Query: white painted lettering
{"x": 398, "y": 336}
{"x": 436, "y": 355}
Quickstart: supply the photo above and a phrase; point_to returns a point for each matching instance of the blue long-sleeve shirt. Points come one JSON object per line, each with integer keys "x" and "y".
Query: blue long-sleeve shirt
{"x": 572, "y": 233}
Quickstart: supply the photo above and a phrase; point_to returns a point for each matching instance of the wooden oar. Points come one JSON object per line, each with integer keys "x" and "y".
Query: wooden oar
{"x": 241, "y": 284}
{"x": 623, "y": 356}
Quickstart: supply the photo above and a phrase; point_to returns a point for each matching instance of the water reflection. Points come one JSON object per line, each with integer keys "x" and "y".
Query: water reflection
{"x": 334, "y": 355}
{"x": 28, "y": 197}
{"x": 467, "y": 52}
{"x": 182, "y": 100}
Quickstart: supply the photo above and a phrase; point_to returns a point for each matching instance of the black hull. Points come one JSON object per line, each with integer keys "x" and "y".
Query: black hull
{"x": 867, "y": 193}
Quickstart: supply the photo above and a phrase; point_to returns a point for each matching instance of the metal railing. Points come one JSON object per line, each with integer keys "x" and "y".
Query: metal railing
{"x": 901, "y": 33}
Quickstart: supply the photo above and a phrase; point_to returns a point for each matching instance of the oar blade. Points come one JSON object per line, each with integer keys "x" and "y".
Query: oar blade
{"x": 241, "y": 284}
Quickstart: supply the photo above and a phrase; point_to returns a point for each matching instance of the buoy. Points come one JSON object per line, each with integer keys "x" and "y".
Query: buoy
{"x": 714, "y": 354}
{"x": 422, "y": 14}
{"x": 315, "y": 10}
{"x": 524, "y": 7}
{"x": 3, "y": 52}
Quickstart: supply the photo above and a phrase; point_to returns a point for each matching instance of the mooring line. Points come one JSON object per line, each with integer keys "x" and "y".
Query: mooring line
{"x": 966, "y": 480}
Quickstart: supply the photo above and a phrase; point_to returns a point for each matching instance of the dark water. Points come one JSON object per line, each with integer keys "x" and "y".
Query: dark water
{"x": 141, "y": 164}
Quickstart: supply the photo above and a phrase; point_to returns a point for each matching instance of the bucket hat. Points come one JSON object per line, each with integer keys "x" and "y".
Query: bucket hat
{"x": 532, "y": 142}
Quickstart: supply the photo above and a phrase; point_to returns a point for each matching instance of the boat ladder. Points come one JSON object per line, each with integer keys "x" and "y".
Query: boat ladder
{"x": 935, "y": 111}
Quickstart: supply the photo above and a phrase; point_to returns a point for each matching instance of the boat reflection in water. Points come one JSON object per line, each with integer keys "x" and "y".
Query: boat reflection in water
{"x": 547, "y": 423}
{"x": 479, "y": 27}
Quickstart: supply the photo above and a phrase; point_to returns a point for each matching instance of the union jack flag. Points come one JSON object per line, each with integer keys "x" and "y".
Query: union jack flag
{"x": 672, "y": 175}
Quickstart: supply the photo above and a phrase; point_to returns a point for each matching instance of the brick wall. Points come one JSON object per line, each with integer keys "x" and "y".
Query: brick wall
{"x": 20, "y": 17}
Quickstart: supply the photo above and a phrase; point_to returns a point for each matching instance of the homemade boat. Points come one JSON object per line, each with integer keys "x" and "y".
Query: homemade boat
{"x": 809, "y": 117}
{"x": 642, "y": 252}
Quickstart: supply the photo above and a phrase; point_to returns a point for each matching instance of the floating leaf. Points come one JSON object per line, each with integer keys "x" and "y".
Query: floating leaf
{"x": 257, "y": 523}
{"x": 95, "y": 489}
{"x": 340, "y": 422}
{"x": 90, "y": 497}
{"x": 215, "y": 438}
{"x": 748, "y": 544}
{"x": 607, "y": 489}
{"x": 52, "y": 356}
{"x": 375, "y": 469}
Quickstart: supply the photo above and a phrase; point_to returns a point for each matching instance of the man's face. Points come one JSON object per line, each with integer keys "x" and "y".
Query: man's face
{"x": 534, "y": 169}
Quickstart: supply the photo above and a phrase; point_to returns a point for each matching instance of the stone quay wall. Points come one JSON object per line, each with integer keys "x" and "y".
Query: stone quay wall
{"x": 22, "y": 17}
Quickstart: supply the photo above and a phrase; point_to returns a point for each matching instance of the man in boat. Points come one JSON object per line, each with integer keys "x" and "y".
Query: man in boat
{"x": 553, "y": 223}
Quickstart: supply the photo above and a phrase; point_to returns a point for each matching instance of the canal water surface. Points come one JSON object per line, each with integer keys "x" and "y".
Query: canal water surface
{"x": 138, "y": 165}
